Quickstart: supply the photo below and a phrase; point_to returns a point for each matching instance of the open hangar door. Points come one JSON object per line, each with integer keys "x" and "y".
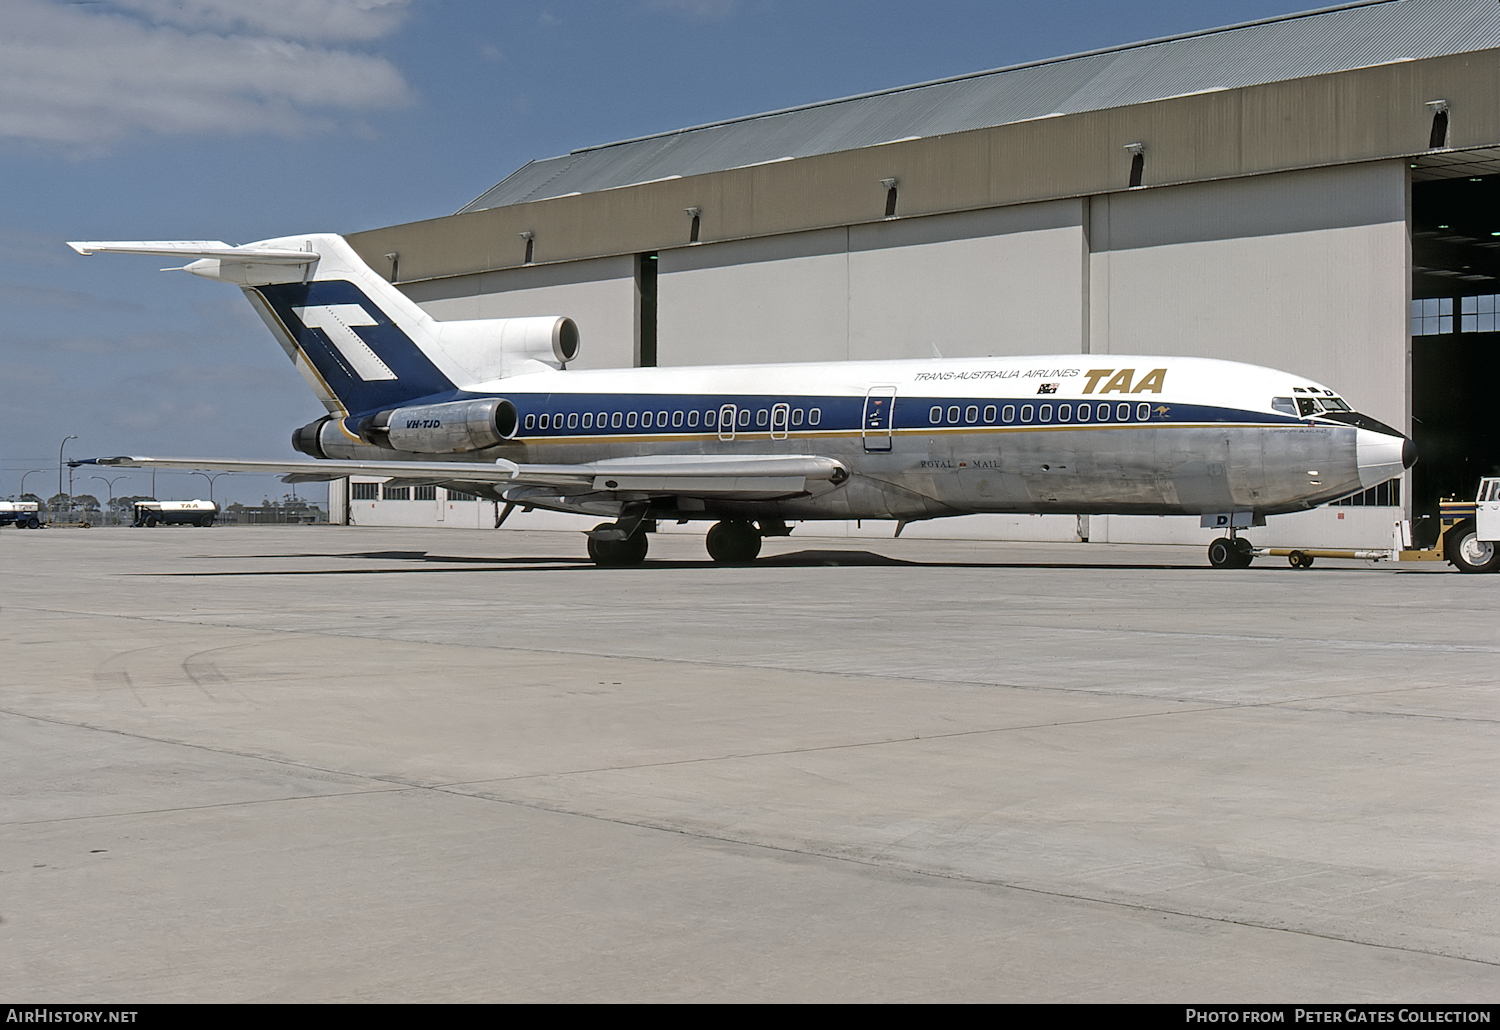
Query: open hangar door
{"x": 1455, "y": 325}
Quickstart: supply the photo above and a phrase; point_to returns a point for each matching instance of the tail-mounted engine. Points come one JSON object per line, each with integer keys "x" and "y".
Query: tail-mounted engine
{"x": 451, "y": 428}
{"x": 492, "y": 348}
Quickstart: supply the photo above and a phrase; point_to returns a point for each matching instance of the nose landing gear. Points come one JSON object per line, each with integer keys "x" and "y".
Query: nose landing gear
{"x": 1231, "y": 552}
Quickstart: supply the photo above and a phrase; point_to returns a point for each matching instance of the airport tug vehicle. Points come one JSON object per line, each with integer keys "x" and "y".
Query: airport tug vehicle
{"x": 1468, "y": 537}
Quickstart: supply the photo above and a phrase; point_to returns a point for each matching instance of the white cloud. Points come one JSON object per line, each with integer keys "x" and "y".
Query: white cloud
{"x": 85, "y": 77}
{"x": 287, "y": 19}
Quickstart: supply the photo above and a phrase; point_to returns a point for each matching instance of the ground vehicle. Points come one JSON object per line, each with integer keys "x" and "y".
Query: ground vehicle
{"x": 1468, "y": 537}
{"x": 175, "y": 513}
{"x": 1471, "y": 532}
{"x": 21, "y": 514}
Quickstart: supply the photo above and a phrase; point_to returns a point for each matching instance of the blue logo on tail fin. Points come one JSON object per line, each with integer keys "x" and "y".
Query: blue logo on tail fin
{"x": 365, "y": 358}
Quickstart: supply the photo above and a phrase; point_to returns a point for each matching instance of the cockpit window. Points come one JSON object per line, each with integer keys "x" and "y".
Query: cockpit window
{"x": 1284, "y": 405}
{"x": 1307, "y": 406}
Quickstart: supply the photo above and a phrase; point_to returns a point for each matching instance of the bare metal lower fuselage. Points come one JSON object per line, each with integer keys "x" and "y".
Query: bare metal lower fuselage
{"x": 1079, "y": 470}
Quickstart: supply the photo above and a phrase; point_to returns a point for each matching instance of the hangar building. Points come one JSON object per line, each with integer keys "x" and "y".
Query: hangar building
{"x": 1318, "y": 192}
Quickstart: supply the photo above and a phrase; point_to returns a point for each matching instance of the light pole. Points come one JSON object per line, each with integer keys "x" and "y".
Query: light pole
{"x": 59, "y": 466}
{"x": 23, "y": 479}
{"x": 210, "y": 479}
{"x": 111, "y": 484}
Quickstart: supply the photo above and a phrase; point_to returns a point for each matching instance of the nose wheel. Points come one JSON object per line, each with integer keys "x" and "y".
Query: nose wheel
{"x": 1230, "y": 553}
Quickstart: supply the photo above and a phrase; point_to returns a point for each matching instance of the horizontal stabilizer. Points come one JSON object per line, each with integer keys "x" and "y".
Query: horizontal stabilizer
{"x": 199, "y": 249}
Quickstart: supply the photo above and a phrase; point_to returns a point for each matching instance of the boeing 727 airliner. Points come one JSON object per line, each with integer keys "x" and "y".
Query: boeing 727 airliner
{"x": 490, "y": 407}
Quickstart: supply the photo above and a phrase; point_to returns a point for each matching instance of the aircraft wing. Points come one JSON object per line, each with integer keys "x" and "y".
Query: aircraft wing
{"x": 750, "y": 475}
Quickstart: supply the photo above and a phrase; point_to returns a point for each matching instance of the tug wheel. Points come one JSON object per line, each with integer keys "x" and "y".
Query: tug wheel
{"x": 1465, "y": 550}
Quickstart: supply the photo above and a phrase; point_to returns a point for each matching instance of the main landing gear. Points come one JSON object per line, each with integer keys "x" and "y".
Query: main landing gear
{"x": 1231, "y": 552}
{"x": 731, "y": 542}
{"x": 613, "y": 553}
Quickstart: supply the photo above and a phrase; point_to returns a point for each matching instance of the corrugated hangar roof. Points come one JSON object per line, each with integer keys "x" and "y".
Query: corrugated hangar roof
{"x": 1335, "y": 39}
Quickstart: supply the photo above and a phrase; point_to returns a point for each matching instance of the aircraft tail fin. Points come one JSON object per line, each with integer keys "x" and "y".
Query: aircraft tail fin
{"x": 361, "y": 344}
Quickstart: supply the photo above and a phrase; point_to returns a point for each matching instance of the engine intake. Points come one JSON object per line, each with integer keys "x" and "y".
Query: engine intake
{"x": 451, "y": 428}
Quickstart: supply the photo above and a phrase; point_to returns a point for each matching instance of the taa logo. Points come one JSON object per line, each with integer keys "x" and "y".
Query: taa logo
{"x": 1119, "y": 382}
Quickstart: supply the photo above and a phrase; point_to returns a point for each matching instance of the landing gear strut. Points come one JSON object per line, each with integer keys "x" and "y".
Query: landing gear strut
{"x": 733, "y": 543}
{"x": 1230, "y": 552}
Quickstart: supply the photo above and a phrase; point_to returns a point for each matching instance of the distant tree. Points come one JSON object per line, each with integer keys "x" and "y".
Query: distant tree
{"x": 31, "y": 497}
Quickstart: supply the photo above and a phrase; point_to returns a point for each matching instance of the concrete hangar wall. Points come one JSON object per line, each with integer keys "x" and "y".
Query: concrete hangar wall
{"x": 1267, "y": 223}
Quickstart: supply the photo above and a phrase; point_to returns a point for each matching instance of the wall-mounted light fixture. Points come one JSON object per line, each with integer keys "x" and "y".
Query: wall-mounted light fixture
{"x": 1439, "y": 135}
{"x": 694, "y": 213}
{"x": 1137, "y": 152}
{"x": 890, "y": 195}
{"x": 530, "y": 238}
{"x": 394, "y": 258}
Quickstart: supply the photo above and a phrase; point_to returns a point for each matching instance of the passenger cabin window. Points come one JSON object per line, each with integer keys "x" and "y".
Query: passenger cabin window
{"x": 796, "y": 416}
{"x": 989, "y": 413}
{"x": 814, "y": 416}
{"x": 935, "y": 415}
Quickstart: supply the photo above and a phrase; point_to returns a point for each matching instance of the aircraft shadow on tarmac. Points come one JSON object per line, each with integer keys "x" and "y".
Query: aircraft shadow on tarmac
{"x": 424, "y": 562}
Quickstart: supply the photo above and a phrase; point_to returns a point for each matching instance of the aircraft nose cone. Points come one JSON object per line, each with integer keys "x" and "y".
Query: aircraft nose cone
{"x": 1382, "y": 456}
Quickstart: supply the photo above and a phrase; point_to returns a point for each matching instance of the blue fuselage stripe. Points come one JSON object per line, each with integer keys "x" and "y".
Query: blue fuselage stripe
{"x": 563, "y": 415}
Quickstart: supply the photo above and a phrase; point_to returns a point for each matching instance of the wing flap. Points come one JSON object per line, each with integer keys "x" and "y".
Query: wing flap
{"x": 693, "y": 475}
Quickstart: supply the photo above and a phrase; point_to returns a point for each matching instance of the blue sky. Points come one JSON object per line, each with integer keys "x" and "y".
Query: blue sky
{"x": 248, "y": 119}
